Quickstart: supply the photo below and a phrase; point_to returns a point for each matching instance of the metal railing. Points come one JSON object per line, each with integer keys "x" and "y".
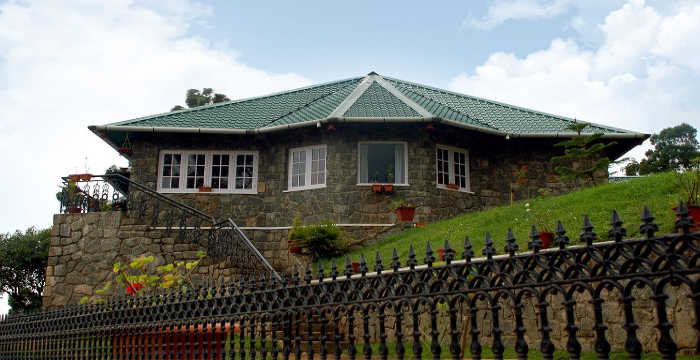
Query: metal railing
{"x": 224, "y": 240}
{"x": 422, "y": 311}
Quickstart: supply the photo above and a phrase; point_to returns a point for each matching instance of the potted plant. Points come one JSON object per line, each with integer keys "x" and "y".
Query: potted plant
{"x": 453, "y": 186}
{"x": 297, "y": 235}
{"x": 690, "y": 189}
{"x": 404, "y": 211}
{"x": 388, "y": 188}
{"x": 205, "y": 189}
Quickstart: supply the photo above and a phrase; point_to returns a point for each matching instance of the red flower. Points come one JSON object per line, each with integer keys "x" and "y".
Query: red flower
{"x": 134, "y": 288}
{"x": 523, "y": 167}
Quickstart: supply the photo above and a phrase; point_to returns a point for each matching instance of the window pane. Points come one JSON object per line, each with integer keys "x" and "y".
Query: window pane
{"x": 195, "y": 170}
{"x": 170, "y": 171}
{"x": 443, "y": 177}
{"x": 382, "y": 163}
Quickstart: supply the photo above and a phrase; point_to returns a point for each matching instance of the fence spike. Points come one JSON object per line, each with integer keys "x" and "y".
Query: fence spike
{"x": 429, "y": 258}
{"x": 449, "y": 253}
{"x": 363, "y": 264}
{"x": 535, "y": 243}
{"x": 411, "y": 262}
{"x": 334, "y": 269}
{"x": 616, "y": 231}
{"x": 348, "y": 267}
{"x": 378, "y": 267}
{"x": 588, "y": 236}
{"x": 561, "y": 239}
{"x": 395, "y": 261}
{"x": 648, "y": 227}
{"x": 321, "y": 271}
{"x": 468, "y": 252}
{"x": 488, "y": 250}
{"x": 308, "y": 274}
{"x": 684, "y": 222}
{"x": 295, "y": 275}
{"x": 511, "y": 247}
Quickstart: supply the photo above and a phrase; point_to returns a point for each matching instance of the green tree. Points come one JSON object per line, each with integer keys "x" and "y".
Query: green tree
{"x": 195, "y": 98}
{"x": 674, "y": 149}
{"x": 23, "y": 258}
{"x": 582, "y": 156}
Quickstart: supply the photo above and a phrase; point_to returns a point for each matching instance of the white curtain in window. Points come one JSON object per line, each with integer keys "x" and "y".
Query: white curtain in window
{"x": 399, "y": 155}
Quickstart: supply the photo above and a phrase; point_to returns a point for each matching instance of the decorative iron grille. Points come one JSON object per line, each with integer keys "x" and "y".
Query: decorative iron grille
{"x": 394, "y": 310}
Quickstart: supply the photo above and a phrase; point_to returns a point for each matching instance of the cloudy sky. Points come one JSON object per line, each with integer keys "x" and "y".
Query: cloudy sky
{"x": 68, "y": 64}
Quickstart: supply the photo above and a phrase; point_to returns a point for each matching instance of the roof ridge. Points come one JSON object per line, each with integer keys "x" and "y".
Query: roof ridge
{"x": 422, "y": 111}
{"x": 309, "y": 103}
{"x": 238, "y": 101}
{"x": 502, "y": 104}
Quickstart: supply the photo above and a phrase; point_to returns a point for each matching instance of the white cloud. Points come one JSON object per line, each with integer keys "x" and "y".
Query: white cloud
{"x": 643, "y": 77}
{"x": 501, "y": 11}
{"x": 65, "y": 65}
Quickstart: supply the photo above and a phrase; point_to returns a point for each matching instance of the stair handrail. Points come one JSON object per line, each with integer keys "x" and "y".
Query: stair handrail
{"x": 249, "y": 245}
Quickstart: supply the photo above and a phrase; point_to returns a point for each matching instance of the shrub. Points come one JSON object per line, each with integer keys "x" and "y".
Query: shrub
{"x": 320, "y": 241}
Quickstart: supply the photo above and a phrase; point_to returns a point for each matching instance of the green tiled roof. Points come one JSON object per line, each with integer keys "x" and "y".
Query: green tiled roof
{"x": 377, "y": 101}
{"x": 372, "y": 96}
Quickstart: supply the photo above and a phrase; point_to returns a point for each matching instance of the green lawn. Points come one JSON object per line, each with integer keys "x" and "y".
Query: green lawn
{"x": 659, "y": 192}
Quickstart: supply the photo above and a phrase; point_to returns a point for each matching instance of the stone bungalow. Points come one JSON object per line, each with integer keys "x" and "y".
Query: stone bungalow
{"x": 318, "y": 150}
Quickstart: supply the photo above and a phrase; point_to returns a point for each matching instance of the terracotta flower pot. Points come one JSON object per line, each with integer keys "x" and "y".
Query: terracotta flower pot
{"x": 205, "y": 189}
{"x": 546, "y": 238}
{"x": 405, "y": 213}
{"x": 442, "y": 253}
{"x": 377, "y": 189}
{"x": 388, "y": 188}
{"x": 420, "y": 224}
{"x": 355, "y": 267}
{"x": 693, "y": 212}
{"x": 453, "y": 186}
{"x": 295, "y": 249}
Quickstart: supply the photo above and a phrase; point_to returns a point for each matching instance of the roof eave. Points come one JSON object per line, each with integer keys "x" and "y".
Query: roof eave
{"x": 191, "y": 130}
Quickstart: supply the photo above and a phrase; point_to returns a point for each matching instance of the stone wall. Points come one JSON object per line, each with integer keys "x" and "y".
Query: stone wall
{"x": 84, "y": 248}
{"x": 491, "y": 162}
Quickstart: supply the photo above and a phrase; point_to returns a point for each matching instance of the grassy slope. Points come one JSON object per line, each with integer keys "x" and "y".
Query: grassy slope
{"x": 659, "y": 192}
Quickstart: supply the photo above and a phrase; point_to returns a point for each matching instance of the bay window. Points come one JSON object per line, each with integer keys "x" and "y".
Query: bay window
{"x": 224, "y": 171}
{"x": 382, "y": 163}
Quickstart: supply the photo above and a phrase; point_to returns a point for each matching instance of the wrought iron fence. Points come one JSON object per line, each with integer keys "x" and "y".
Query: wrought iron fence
{"x": 401, "y": 309}
{"x": 224, "y": 240}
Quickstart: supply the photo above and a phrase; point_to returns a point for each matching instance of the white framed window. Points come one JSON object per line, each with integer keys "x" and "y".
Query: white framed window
{"x": 307, "y": 168}
{"x": 224, "y": 171}
{"x": 382, "y": 162}
{"x": 452, "y": 168}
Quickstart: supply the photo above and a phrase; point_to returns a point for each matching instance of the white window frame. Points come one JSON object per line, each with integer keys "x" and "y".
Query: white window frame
{"x": 359, "y": 162}
{"x": 208, "y": 161}
{"x": 307, "y": 168}
{"x": 450, "y": 167}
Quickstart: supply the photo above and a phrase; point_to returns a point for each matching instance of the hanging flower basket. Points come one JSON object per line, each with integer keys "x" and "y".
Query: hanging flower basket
{"x": 126, "y": 148}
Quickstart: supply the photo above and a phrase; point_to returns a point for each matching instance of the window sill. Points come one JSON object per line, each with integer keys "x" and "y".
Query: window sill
{"x": 457, "y": 190}
{"x": 247, "y": 192}
{"x": 370, "y": 184}
{"x": 313, "y": 187}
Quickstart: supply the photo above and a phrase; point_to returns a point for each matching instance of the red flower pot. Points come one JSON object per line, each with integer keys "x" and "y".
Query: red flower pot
{"x": 388, "y": 188}
{"x": 546, "y": 238}
{"x": 377, "y": 189}
{"x": 74, "y": 210}
{"x": 453, "y": 186}
{"x": 125, "y": 151}
{"x": 405, "y": 213}
{"x": 693, "y": 212}
{"x": 355, "y": 267}
{"x": 295, "y": 249}
{"x": 420, "y": 224}
{"x": 205, "y": 189}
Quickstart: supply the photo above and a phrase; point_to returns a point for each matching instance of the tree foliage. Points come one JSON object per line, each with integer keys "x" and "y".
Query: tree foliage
{"x": 23, "y": 257}
{"x": 195, "y": 98}
{"x": 674, "y": 149}
{"x": 582, "y": 156}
